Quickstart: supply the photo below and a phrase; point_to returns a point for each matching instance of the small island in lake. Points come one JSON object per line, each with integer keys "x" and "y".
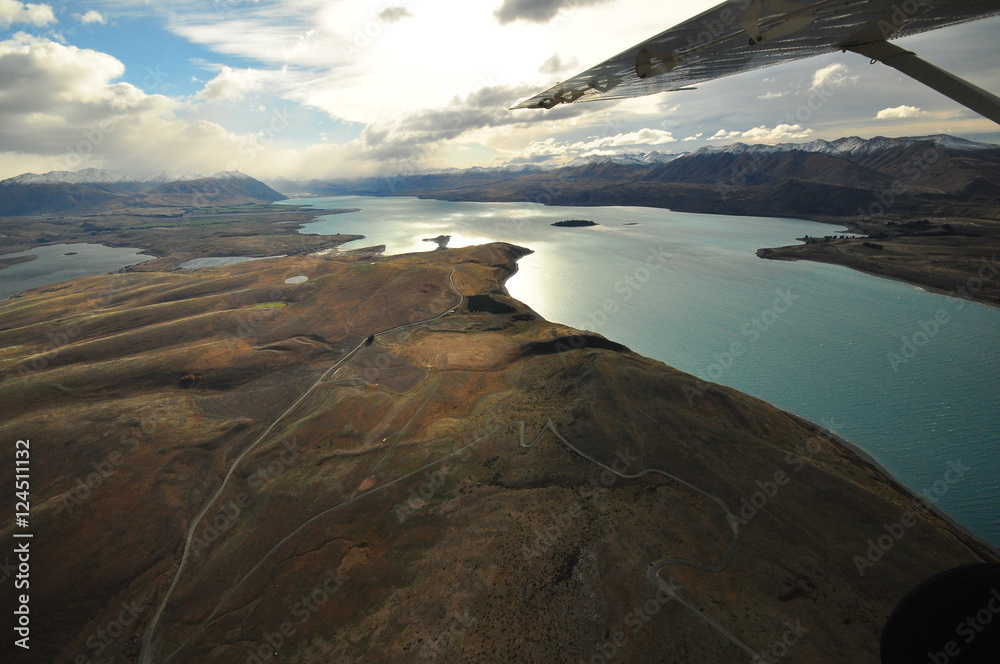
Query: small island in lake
{"x": 573, "y": 223}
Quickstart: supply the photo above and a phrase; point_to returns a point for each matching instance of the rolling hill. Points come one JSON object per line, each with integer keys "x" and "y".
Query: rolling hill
{"x": 230, "y": 457}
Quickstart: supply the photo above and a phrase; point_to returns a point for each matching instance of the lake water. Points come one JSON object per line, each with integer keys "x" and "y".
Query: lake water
{"x": 688, "y": 289}
{"x": 54, "y": 265}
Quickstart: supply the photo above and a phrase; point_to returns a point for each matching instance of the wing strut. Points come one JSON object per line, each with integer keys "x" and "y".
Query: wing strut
{"x": 965, "y": 93}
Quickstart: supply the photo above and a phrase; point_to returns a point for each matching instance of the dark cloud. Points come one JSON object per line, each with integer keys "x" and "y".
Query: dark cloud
{"x": 537, "y": 11}
{"x": 413, "y": 135}
{"x": 393, "y": 14}
{"x": 555, "y": 65}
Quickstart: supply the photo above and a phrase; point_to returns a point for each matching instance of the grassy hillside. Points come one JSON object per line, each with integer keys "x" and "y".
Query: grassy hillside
{"x": 383, "y": 501}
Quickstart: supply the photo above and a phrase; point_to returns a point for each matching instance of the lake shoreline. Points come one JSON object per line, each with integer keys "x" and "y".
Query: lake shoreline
{"x": 866, "y": 458}
{"x": 7, "y": 262}
{"x": 928, "y": 282}
{"x": 640, "y": 261}
{"x": 875, "y": 227}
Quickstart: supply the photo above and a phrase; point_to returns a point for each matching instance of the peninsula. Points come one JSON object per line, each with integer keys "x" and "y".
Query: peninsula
{"x": 364, "y": 465}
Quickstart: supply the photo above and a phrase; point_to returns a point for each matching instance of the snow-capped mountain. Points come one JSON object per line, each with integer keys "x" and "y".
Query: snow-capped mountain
{"x": 162, "y": 177}
{"x": 626, "y": 159}
{"x": 101, "y": 176}
{"x": 229, "y": 175}
{"x": 84, "y": 176}
{"x": 94, "y": 189}
{"x": 851, "y": 145}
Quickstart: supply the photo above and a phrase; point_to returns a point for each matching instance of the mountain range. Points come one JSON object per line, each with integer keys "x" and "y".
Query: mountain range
{"x": 93, "y": 190}
{"x": 937, "y": 175}
{"x": 926, "y": 175}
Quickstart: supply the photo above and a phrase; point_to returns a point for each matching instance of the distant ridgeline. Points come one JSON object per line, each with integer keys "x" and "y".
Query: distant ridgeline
{"x": 848, "y": 177}
{"x": 95, "y": 190}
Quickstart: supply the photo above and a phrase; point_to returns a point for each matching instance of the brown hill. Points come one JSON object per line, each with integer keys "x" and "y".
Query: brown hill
{"x": 212, "y": 191}
{"x": 228, "y": 466}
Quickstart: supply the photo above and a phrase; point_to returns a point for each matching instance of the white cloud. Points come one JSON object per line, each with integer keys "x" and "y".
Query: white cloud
{"x": 781, "y": 132}
{"x": 537, "y": 11}
{"x": 430, "y": 57}
{"x": 60, "y": 106}
{"x": 550, "y": 149}
{"x": 233, "y": 84}
{"x": 832, "y": 76}
{"x": 722, "y": 135}
{"x": 541, "y": 150}
{"x": 555, "y": 65}
{"x": 899, "y": 113}
{"x": 640, "y": 137}
{"x": 92, "y": 16}
{"x": 762, "y": 134}
{"x": 407, "y": 91}
{"x": 12, "y": 11}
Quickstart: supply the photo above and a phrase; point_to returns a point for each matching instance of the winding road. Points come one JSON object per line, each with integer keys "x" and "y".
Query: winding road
{"x": 653, "y": 571}
{"x": 144, "y": 654}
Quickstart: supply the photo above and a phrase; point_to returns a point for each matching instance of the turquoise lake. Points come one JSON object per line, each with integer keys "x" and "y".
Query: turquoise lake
{"x": 909, "y": 376}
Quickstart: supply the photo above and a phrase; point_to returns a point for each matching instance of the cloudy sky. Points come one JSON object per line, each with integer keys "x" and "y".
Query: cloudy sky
{"x": 341, "y": 88}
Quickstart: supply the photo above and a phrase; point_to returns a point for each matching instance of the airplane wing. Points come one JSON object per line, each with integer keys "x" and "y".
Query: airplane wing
{"x": 742, "y": 35}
